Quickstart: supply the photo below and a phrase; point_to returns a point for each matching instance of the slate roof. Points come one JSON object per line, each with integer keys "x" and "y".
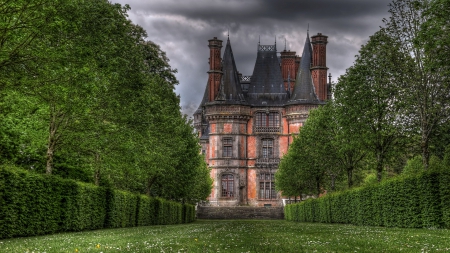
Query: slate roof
{"x": 304, "y": 88}
{"x": 230, "y": 87}
{"x": 266, "y": 84}
{"x": 204, "y": 100}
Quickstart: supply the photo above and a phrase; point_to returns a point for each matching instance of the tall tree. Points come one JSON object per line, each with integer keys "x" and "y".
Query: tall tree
{"x": 371, "y": 93}
{"x": 427, "y": 83}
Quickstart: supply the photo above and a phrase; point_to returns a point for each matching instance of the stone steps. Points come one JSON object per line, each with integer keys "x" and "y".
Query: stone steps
{"x": 239, "y": 212}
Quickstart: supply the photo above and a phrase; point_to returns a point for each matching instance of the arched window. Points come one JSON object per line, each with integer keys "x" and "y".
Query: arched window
{"x": 267, "y": 122}
{"x": 227, "y": 185}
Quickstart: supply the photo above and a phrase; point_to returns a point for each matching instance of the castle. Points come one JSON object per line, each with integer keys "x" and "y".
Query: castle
{"x": 246, "y": 123}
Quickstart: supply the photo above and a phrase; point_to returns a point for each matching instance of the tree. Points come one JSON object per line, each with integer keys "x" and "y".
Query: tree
{"x": 428, "y": 88}
{"x": 86, "y": 97}
{"x": 371, "y": 93}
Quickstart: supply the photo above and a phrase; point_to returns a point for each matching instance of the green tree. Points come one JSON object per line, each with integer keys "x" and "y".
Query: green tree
{"x": 428, "y": 89}
{"x": 371, "y": 93}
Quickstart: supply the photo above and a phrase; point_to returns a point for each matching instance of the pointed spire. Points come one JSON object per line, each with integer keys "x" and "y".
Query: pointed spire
{"x": 230, "y": 86}
{"x": 304, "y": 89}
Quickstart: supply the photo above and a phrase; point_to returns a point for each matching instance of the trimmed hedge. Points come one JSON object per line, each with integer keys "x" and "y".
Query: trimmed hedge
{"x": 34, "y": 204}
{"x": 422, "y": 201}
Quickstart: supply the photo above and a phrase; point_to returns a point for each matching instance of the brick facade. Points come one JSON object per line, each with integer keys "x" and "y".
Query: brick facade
{"x": 246, "y": 124}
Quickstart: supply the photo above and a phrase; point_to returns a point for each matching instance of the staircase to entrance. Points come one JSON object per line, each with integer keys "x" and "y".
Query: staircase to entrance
{"x": 239, "y": 212}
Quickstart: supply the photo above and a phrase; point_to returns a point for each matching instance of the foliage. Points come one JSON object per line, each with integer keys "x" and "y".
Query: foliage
{"x": 319, "y": 155}
{"x": 418, "y": 201}
{"x": 420, "y": 27}
{"x": 370, "y": 95}
{"x": 85, "y": 96}
{"x": 33, "y": 204}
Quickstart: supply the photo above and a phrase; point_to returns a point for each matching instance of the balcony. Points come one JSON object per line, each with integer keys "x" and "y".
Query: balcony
{"x": 267, "y": 162}
{"x": 267, "y": 129}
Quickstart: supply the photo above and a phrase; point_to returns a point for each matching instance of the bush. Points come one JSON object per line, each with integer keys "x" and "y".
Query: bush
{"x": 34, "y": 204}
{"x": 410, "y": 201}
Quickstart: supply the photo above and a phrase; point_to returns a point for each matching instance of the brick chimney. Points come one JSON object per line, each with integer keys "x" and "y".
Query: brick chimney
{"x": 319, "y": 65}
{"x": 215, "y": 72}
{"x": 288, "y": 70}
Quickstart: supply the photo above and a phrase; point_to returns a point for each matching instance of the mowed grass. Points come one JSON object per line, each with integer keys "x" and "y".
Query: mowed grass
{"x": 238, "y": 236}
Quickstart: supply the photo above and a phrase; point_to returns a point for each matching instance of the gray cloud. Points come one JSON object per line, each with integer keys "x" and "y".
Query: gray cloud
{"x": 182, "y": 29}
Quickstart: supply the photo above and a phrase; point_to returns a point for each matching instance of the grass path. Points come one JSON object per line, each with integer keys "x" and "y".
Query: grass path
{"x": 238, "y": 236}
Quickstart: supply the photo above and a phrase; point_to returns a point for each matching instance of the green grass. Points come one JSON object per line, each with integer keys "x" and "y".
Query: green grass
{"x": 238, "y": 236}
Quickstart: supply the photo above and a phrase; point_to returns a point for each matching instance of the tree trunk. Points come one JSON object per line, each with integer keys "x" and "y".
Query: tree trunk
{"x": 51, "y": 144}
{"x": 57, "y": 120}
{"x": 333, "y": 183}
{"x": 425, "y": 150}
{"x": 150, "y": 182}
{"x": 318, "y": 187}
{"x": 350, "y": 176}
{"x": 380, "y": 162}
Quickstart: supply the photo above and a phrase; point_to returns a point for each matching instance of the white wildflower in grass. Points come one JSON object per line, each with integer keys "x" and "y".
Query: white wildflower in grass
{"x": 238, "y": 236}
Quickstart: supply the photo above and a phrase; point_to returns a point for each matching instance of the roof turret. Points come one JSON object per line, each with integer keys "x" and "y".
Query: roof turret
{"x": 230, "y": 86}
{"x": 304, "y": 89}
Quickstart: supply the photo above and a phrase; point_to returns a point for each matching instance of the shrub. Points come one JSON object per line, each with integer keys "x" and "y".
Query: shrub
{"x": 416, "y": 201}
{"x": 35, "y": 204}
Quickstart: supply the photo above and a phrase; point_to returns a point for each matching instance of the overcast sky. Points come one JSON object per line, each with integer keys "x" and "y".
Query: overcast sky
{"x": 183, "y": 27}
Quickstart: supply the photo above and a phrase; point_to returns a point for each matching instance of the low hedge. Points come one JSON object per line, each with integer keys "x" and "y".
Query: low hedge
{"x": 422, "y": 201}
{"x": 35, "y": 204}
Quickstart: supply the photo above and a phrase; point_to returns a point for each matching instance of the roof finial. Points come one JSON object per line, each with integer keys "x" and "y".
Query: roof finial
{"x": 284, "y": 43}
{"x": 308, "y": 30}
{"x": 259, "y": 42}
{"x": 228, "y": 33}
{"x": 275, "y": 43}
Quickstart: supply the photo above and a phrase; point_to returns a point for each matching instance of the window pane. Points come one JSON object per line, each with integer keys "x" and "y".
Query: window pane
{"x": 227, "y": 185}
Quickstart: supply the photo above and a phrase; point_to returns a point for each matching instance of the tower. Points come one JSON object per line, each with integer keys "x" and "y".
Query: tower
{"x": 319, "y": 65}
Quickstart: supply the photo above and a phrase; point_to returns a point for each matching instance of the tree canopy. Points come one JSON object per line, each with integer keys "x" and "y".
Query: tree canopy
{"x": 85, "y": 95}
{"x": 391, "y": 106}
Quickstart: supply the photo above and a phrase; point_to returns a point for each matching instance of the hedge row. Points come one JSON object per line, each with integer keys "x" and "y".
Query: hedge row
{"x": 413, "y": 202}
{"x": 33, "y": 204}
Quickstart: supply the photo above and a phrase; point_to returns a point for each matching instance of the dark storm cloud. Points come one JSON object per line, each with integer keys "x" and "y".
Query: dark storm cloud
{"x": 182, "y": 29}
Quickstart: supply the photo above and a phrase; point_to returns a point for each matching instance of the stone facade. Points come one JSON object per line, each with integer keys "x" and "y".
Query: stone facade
{"x": 246, "y": 123}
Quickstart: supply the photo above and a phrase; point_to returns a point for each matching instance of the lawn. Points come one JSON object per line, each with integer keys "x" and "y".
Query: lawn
{"x": 238, "y": 236}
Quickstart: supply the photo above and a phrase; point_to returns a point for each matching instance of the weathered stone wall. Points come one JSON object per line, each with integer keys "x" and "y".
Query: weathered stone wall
{"x": 239, "y": 212}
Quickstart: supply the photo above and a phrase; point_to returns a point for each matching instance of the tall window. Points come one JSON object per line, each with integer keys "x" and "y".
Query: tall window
{"x": 267, "y": 186}
{"x": 267, "y": 122}
{"x": 267, "y": 148}
{"x": 227, "y": 185}
{"x": 227, "y": 147}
